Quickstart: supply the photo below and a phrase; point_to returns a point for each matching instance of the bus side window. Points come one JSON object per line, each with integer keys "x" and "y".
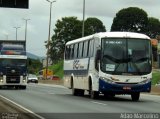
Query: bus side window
{"x": 80, "y": 49}
{"x": 72, "y": 52}
{"x": 91, "y": 48}
{"x": 85, "y": 47}
{"x": 75, "y": 50}
{"x": 67, "y": 52}
{"x": 88, "y": 48}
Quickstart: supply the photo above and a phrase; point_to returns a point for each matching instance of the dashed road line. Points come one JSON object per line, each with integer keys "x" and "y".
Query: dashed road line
{"x": 50, "y": 85}
{"x": 98, "y": 103}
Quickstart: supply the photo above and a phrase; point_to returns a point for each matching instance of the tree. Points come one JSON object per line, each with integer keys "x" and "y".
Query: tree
{"x": 68, "y": 28}
{"x": 93, "y": 25}
{"x": 153, "y": 27}
{"x": 34, "y": 65}
{"x": 130, "y": 19}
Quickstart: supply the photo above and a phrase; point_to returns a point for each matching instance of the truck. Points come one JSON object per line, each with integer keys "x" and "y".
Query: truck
{"x": 13, "y": 64}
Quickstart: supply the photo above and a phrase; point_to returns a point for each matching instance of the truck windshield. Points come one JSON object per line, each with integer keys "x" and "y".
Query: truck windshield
{"x": 13, "y": 62}
{"x": 121, "y": 55}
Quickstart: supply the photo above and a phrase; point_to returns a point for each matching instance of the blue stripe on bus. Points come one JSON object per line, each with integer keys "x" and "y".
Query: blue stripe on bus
{"x": 118, "y": 88}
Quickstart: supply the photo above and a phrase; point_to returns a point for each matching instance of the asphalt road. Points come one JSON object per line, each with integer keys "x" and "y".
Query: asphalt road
{"x": 56, "y": 102}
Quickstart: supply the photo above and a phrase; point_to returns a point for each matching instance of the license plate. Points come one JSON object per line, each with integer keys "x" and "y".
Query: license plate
{"x": 126, "y": 88}
{"x": 13, "y": 79}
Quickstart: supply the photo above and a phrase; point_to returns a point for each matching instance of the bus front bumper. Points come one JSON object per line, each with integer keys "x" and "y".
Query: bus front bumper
{"x": 123, "y": 88}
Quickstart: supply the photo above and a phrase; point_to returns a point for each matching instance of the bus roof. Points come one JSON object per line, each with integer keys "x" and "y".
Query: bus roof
{"x": 111, "y": 34}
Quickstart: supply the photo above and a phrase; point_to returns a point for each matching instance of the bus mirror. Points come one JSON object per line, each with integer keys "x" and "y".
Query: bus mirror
{"x": 98, "y": 54}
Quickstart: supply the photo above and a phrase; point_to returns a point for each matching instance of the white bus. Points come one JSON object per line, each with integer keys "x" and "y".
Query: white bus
{"x": 109, "y": 63}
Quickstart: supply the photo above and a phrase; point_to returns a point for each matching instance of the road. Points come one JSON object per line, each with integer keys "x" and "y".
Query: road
{"x": 56, "y": 102}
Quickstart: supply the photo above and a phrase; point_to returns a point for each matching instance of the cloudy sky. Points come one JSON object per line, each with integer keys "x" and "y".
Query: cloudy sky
{"x": 38, "y": 13}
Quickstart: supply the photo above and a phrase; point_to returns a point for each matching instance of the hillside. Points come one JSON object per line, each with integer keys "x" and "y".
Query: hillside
{"x": 33, "y": 56}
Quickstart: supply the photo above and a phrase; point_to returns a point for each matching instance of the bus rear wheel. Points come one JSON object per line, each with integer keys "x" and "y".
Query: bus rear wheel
{"x": 74, "y": 92}
{"x": 135, "y": 96}
{"x": 77, "y": 92}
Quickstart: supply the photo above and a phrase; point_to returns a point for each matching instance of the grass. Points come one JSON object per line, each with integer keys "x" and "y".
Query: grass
{"x": 155, "y": 77}
{"x": 58, "y": 69}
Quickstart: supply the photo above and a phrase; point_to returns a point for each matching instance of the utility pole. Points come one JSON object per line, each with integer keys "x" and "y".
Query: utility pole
{"x": 50, "y": 16}
{"x": 26, "y": 22}
{"x": 16, "y": 30}
{"x": 83, "y": 18}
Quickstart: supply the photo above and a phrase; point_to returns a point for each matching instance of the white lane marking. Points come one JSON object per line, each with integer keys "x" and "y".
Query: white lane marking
{"x": 151, "y": 95}
{"x": 99, "y": 103}
{"x": 20, "y": 106}
{"x": 50, "y": 85}
{"x": 51, "y": 93}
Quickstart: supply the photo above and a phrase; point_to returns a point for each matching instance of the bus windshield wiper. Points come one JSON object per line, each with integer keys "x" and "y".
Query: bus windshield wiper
{"x": 141, "y": 59}
{"x": 123, "y": 60}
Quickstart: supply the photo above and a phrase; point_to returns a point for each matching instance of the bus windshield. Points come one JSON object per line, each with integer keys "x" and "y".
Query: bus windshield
{"x": 13, "y": 62}
{"x": 121, "y": 55}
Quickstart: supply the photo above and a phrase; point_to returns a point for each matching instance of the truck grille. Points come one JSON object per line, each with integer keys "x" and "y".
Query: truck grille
{"x": 13, "y": 75}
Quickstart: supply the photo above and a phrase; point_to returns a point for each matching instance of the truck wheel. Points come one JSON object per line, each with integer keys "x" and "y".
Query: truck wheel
{"x": 135, "y": 96}
{"x": 16, "y": 87}
{"x": 23, "y": 87}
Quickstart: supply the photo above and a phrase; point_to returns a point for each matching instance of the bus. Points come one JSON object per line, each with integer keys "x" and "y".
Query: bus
{"x": 109, "y": 63}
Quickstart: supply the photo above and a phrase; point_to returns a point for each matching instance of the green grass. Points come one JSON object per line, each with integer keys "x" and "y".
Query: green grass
{"x": 57, "y": 69}
{"x": 155, "y": 77}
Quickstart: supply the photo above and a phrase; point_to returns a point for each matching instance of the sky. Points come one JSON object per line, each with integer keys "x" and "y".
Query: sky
{"x": 38, "y": 13}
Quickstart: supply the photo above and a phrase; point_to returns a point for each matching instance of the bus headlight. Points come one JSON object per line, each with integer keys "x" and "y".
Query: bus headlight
{"x": 145, "y": 81}
{"x": 107, "y": 80}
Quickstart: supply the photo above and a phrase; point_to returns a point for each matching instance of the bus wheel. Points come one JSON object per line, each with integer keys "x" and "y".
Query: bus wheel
{"x": 135, "y": 96}
{"x": 94, "y": 94}
{"x": 75, "y": 92}
{"x": 81, "y": 92}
